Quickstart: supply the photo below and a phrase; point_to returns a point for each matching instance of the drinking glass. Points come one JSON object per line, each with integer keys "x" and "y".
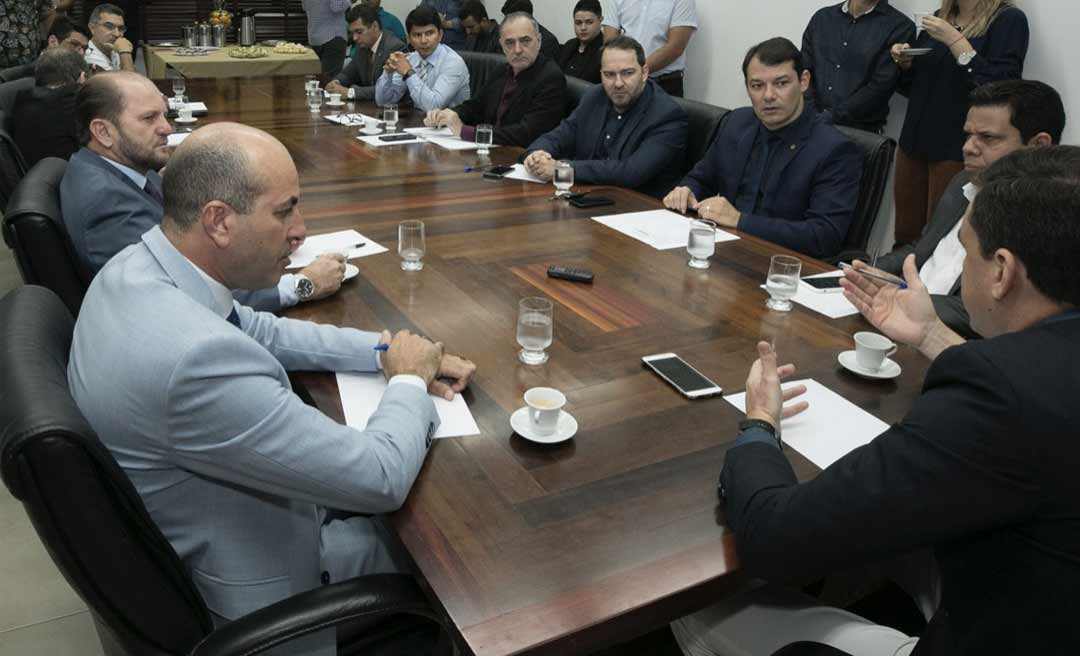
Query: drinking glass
{"x": 314, "y": 100}
{"x": 390, "y": 116}
{"x": 179, "y": 86}
{"x": 410, "y": 245}
{"x": 563, "y": 178}
{"x": 534, "y": 329}
{"x": 702, "y": 243}
{"x": 311, "y": 83}
{"x": 484, "y": 137}
{"x": 783, "y": 281}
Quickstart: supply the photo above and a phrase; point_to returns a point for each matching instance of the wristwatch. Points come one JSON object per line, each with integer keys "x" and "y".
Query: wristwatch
{"x": 746, "y": 424}
{"x": 965, "y": 57}
{"x": 305, "y": 289}
{"x": 409, "y": 73}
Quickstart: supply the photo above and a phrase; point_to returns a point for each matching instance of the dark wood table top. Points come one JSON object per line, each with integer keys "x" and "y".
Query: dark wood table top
{"x": 564, "y": 548}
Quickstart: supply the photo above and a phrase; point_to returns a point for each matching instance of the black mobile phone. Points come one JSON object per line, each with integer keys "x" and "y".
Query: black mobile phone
{"x": 591, "y": 201}
{"x": 497, "y": 172}
{"x": 824, "y": 284}
{"x": 680, "y": 375}
{"x": 397, "y": 137}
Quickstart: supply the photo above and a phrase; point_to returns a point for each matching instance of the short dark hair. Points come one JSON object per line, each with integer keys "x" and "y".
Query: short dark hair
{"x": 63, "y": 26}
{"x": 206, "y": 171}
{"x": 475, "y": 10}
{"x": 1034, "y": 106}
{"x": 366, "y": 14}
{"x": 58, "y": 67}
{"x": 624, "y": 42}
{"x": 104, "y": 8}
{"x": 774, "y": 52}
{"x": 514, "y": 6}
{"x": 422, "y": 15}
{"x": 100, "y": 97}
{"x": 1029, "y": 203}
{"x": 592, "y": 6}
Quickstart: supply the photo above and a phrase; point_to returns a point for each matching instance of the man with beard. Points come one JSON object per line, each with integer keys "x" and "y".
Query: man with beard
{"x": 111, "y": 191}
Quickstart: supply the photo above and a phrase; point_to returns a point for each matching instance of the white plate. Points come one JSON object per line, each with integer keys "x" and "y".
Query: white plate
{"x": 185, "y": 120}
{"x": 371, "y": 131}
{"x": 889, "y": 369}
{"x": 335, "y": 104}
{"x": 916, "y": 52}
{"x": 564, "y": 430}
{"x": 351, "y": 271}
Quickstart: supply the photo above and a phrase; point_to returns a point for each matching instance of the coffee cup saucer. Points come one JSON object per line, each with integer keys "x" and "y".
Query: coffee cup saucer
{"x": 351, "y": 271}
{"x": 180, "y": 119}
{"x": 889, "y": 368}
{"x": 564, "y": 429}
{"x": 371, "y": 131}
{"x": 330, "y": 103}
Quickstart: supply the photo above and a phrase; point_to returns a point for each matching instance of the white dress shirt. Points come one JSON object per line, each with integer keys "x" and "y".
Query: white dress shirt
{"x": 648, "y": 21}
{"x": 943, "y": 269}
{"x": 95, "y": 57}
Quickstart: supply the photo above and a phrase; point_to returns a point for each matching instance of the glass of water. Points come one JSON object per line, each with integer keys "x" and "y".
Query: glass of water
{"x": 484, "y": 137}
{"x": 563, "y": 178}
{"x": 390, "y": 116}
{"x": 534, "y": 329}
{"x": 179, "y": 87}
{"x": 783, "y": 281}
{"x": 314, "y": 100}
{"x": 311, "y": 83}
{"x": 410, "y": 245}
{"x": 702, "y": 243}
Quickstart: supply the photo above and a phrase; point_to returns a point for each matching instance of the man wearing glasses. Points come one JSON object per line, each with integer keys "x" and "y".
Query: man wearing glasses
{"x": 108, "y": 49}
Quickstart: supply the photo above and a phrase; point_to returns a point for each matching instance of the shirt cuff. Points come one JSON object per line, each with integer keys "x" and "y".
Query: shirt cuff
{"x": 287, "y": 290}
{"x": 756, "y": 435}
{"x": 352, "y": 93}
{"x": 408, "y": 379}
{"x": 468, "y": 133}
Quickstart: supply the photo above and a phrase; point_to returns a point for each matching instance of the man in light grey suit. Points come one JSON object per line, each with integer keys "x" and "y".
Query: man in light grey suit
{"x": 111, "y": 191}
{"x": 233, "y": 467}
{"x": 373, "y": 48}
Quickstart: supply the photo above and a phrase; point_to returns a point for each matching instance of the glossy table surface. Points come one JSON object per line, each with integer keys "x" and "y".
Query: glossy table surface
{"x": 562, "y": 548}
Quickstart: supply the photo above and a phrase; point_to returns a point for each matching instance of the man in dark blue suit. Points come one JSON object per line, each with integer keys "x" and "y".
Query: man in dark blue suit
{"x": 628, "y": 132}
{"x": 775, "y": 170}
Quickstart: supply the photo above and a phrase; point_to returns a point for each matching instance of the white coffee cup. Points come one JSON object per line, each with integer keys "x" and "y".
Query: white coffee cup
{"x": 544, "y": 403}
{"x": 335, "y": 98}
{"x": 918, "y": 16}
{"x": 184, "y": 113}
{"x": 871, "y": 349}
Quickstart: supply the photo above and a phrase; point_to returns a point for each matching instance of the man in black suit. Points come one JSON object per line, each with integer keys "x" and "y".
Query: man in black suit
{"x": 627, "y": 132}
{"x": 982, "y": 470}
{"x": 373, "y": 47}
{"x": 523, "y": 101}
{"x": 1004, "y": 117}
{"x": 44, "y": 119}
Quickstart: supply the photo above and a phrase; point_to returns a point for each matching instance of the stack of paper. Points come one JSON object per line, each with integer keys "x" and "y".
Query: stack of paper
{"x": 345, "y": 241}
{"x": 829, "y": 429}
{"x": 519, "y": 173}
{"x": 661, "y": 229}
{"x": 830, "y": 303}
{"x": 428, "y": 133}
{"x": 361, "y": 393}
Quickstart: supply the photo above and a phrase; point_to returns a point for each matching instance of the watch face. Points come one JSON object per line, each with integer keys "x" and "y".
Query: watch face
{"x": 304, "y": 288}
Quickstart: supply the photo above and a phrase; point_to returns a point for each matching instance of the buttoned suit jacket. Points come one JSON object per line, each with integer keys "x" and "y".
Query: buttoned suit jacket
{"x": 358, "y": 74}
{"x": 233, "y": 466}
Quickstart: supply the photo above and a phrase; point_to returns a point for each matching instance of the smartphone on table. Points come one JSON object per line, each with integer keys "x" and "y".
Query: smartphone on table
{"x": 831, "y": 284}
{"x": 497, "y": 172}
{"x": 690, "y": 382}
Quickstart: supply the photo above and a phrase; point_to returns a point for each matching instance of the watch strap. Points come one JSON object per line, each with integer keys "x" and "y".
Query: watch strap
{"x": 748, "y": 423}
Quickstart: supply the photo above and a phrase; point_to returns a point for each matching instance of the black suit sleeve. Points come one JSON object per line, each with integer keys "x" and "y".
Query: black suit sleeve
{"x": 955, "y": 466}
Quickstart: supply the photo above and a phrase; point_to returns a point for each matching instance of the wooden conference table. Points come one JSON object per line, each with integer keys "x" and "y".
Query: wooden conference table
{"x": 567, "y": 548}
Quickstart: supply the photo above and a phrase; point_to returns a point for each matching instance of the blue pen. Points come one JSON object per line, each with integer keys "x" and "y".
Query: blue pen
{"x": 892, "y": 281}
{"x": 381, "y": 347}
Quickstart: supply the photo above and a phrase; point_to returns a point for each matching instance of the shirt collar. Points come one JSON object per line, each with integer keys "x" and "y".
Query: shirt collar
{"x": 847, "y": 4}
{"x": 375, "y": 47}
{"x": 790, "y": 133}
{"x": 436, "y": 55}
{"x": 223, "y": 298}
{"x": 138, "y": 178}
{"x": 970, "y": 191}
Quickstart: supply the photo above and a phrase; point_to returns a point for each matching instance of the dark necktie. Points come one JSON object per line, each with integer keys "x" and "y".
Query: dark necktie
{"x": 760, "y": 180}
{"x": 154, "y": 191}
{"x": 234, "y": 318}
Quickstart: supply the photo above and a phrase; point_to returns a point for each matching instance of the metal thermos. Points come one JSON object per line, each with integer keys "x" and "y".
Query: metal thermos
{"x": 188, "y": 40}
{"x": 219, "y": 36}
{"x": 205, "y": 39}
{"x": 247, "y": 27}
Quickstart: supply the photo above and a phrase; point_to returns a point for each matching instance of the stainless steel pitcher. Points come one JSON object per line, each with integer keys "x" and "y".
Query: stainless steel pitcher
{"x": 247, "y": 27}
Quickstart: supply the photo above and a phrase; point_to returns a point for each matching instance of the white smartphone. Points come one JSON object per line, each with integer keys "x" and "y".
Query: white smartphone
{"x": 689, "y": 381}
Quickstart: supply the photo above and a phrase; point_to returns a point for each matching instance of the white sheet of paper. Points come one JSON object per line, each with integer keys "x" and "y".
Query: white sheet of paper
{"x": 831, "y": 304}
{"x": 829, "y": 429}
{"x": 361, "y": 393}
{"x": 340, "y": 242}
{"x": 177, "y": 138}
{"x": 519, "y": 173}
{"x": 661, "y": 229}
{"x": 427, "y": 133}
{"x": 196, "y": 106}
{"x": 454, "y": 143}
{"x": 378, "y": 143}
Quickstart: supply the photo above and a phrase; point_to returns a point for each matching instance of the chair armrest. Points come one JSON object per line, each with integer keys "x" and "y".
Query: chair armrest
{"x": 369, "y": 599}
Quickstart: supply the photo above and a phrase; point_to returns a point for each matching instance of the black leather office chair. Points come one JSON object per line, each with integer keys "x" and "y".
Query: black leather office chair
{"x": 97, "y": 530}
{"x": 12, "y": 167}
{"x": 8, "y": 91}
{"x": 576, "y": 88}
{"x": 34, "y": 229}
{"x": 809, "y": 649}
{"x": 878, "y": 154}
{"x": 16, "y": 72}
{"x": 483, "y": 66}
{"x": 704, "y": 121}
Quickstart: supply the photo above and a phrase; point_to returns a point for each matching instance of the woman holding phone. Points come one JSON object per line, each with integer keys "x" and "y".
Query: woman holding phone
{"x": 965, "y": 44}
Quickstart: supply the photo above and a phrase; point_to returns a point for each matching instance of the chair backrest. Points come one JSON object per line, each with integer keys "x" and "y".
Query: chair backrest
{"x": 878, "y": 154}
{"x": 576, "y": 88}
{"x": 34, "y": 229}
{"x": 704, "y": 122}
{"x": 12, "y": 167}
{"x": 17, "y": 72}
{"x": 483, "y": 66}
{"x": 82, "y": 505}
{"x": 8, "y": 91}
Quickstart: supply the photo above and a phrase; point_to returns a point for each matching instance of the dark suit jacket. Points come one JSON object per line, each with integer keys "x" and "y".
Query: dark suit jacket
{"x": 537, "y": 105}
{"x": 809, "y": 197}
{"x": 549, "y": 44}
{"x": 950, "y": 209}
{"x": 983, "y": 470}
{"x": 358, "y": 74}
{"x": 647, "y": 154}
{"x": 44, "y": 124}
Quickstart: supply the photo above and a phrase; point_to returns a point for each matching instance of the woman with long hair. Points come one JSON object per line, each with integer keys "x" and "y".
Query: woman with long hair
{"x": 971, "y": 43}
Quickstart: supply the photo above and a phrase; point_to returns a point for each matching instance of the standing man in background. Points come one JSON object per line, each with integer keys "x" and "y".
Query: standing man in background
{"x": 450, "y": 15}
{"x": 389, "y": 22}
{"x": 846, "y": 48}
{"x": 481, "y": 33}
{"x": 662, "y": 27}
{"x": 326, "y": 32}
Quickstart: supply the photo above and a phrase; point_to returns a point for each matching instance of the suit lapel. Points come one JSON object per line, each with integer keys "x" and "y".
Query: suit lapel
{"x": 638, "y": 113}
{"x": 787, "y": 153}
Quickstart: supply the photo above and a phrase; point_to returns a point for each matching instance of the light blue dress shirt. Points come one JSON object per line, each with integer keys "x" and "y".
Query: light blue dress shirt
{"x": 444, "y": 83}
{"x": 326, "y": 20}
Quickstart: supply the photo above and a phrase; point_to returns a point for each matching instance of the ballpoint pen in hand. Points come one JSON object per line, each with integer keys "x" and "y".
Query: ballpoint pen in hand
{"x": 876, "y": 276}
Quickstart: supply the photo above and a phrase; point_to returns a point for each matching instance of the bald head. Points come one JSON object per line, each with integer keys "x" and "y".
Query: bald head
{"x": 103, "y": 97}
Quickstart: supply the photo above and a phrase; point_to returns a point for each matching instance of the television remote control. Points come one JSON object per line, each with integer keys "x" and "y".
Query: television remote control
{"x": 567, "y": 273}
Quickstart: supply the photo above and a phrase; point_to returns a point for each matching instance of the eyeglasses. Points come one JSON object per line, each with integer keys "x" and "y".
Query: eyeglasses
{"x": 113, "y": 27}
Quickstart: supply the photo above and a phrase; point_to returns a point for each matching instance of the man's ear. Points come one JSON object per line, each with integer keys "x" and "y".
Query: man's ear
{"x": 1041, "y": 139}
{"x": 218, "y": 221}
{"x": 1008, "y": 271}
{"x": 804, "y": 80}
{"x": 103, "y": 131}
{"x": 53, "y": 41}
